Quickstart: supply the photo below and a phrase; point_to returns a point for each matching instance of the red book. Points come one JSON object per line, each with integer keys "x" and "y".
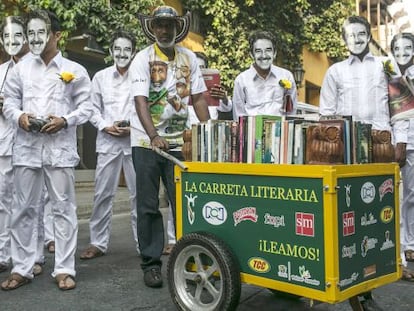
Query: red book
{"x": 211, "y": 77}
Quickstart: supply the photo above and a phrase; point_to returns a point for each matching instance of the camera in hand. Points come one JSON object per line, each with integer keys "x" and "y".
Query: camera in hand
{"x": 37, "y": 123}
{"x": 122, "y": 123}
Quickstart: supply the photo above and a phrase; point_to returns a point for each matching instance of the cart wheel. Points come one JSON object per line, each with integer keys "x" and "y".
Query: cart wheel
{"x": 203, "y": 274}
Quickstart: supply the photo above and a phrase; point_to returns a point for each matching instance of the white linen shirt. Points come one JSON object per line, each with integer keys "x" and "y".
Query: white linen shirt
{"x": 112, "y": 101}
{"x": 358, "y": 88}
{"x": 253, "y": 95}
{"x": 33, "y": 87}
{"x": 6, "y": 129}
{"x": 139, "y": 72}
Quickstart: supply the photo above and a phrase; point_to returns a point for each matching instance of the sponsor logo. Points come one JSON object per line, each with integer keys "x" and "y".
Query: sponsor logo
{"x": 348, "y": 195}
{"x": 244, "y": 214}
{"x": 348, "y": 223}
{"x": 386, "y": 187}
{"x": 305, "y": 224}
{"x": 350, "y": 280}
{"x": 370, "y": 270}
{"x": 368, "y": 192}
{"x": 304, "y": 276}
{"x": 387, "y": 214}
{"x": 275, "y": 221}
{"x": 387, "y": 243}
{"x": 214, "y": 213}
{"x": 259, "y": 265}
{"x": 367, "y": 244}
{"x": 349, "y": 251}
{"x": 190, "y": 208}
{"x": 282, "y": 271}
{"x": 367, "y": 220}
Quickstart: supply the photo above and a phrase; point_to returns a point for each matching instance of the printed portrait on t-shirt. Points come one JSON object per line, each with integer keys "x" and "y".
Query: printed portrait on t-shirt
{"x": 169, "y": 93}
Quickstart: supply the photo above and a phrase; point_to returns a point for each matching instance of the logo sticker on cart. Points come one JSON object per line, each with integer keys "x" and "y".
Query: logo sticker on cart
{"x": 305, "y": 224}
{"x": 386, "y": 187}
{"x": 368, "y": 219}
{"x": 190, "y": 208}
{"x": 387, "y": 244}
{"x": 244, "y": 214}
{"x": 349, "y": 251}
{"x": 214, "y": 213}
{"x": 387, "y": 214}
{"x": 304, "y": 277}
{"x": 259, "y": 265}
{"x": 368, "y": 192}
{"x": 350, "y": 280}
{"x": 367, "y": 244}
{"x": 370, "y": 270}
{"x": 348, "y": 195}
{"x": 275, "y": 221}
{"x": 348, "y": 223}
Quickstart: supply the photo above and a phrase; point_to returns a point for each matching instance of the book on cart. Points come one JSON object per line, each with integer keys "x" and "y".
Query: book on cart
{"x": 211, "y": 77}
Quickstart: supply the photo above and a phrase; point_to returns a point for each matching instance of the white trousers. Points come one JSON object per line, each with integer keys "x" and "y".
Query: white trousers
{"x": 27, "y": 215}
{"x": 170, "y": 226}
{"x": 6, "y": 195}
{"x": 108, "y": 170}
{"x": 48, "y": 220}
{"x": 407, "y": 210}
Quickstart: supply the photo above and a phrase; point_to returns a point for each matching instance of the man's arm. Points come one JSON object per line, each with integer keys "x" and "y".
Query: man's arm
{"x": 200, "y": 106}
{"x": 328, "y": 99}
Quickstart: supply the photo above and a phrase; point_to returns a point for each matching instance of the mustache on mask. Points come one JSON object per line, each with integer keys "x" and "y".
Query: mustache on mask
{"x": 36, "y": 42}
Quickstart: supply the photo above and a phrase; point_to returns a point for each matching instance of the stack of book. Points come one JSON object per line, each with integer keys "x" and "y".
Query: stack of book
{"x": 283, "y": 140}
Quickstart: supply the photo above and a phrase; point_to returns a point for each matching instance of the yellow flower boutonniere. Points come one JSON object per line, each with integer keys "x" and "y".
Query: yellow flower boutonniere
{"x": 388, "y": 68}
{"x": 66, "y": 76}
{"x": 285, "y": 83}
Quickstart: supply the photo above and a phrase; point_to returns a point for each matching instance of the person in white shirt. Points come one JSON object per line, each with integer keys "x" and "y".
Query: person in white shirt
{"x": 402, "y": 48}
{"x": 358, "y": 86}
{"x": 46, "y": 97}
{"x": 12, "y": 37}
{"x": 113, "y": 103}
{"x": 161, "y": 117}
{"x": 263, "y": 88}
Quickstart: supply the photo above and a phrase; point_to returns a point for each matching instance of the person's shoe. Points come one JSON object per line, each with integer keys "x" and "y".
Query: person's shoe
{"x": 370, "y": 305}
{"x": 51, "y": 247}
{"x": 152, "y": 277}
{"x": 37, "y": 269}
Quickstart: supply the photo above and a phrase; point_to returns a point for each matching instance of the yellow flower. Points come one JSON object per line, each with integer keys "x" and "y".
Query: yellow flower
{"x": 285, "y": 83}
{"x": 66, "y": 76}
{"x": 388, "y": 68}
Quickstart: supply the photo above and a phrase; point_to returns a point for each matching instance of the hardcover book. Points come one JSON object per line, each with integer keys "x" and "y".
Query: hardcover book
{"x": 211, "y": 77}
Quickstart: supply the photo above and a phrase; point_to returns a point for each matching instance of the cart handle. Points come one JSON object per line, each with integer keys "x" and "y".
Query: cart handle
{"x": 170, "y": 157}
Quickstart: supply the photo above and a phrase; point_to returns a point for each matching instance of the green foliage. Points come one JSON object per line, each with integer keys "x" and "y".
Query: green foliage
{"x": 323, "y": 19}
{"x": 226, "y": 25}
{"x": 92, "y": 17}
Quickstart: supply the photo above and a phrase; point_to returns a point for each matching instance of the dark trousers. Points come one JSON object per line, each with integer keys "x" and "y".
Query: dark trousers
{"x": 149, "y": 168}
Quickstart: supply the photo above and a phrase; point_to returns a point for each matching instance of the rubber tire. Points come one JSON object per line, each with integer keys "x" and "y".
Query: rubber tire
{"x": 226, "y": 272}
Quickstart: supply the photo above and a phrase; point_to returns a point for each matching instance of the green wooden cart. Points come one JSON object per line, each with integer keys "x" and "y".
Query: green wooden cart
{"x": 325, "y": 232}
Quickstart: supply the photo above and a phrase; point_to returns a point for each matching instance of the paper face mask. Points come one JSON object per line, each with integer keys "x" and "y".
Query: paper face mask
{"x": 13, "y": 38}
{"x": 37, "y": 35}
{"x": 122, "y": 52}
{"x": 263, "y": 53}
{"x": 403, "y": 51}
{"x": 356, "y": 38}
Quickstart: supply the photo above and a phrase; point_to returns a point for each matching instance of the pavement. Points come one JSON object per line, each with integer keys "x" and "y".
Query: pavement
{"x": 115, "y": 281}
